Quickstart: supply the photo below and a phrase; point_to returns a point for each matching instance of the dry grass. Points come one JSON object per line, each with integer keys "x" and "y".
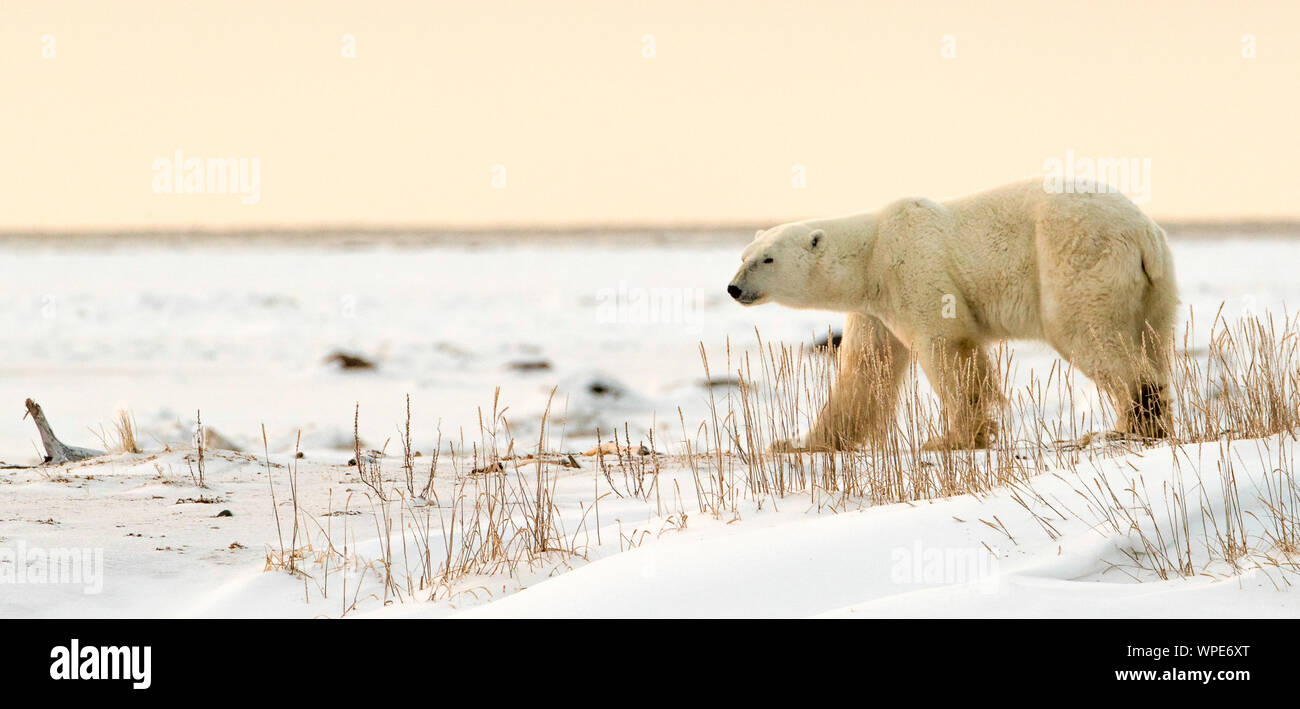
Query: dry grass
{"x": 493, "y": 512}
{"x": 200, "y": 448}
{"x": 124, "y": 429}
{"x": 1245, "y": 383}
{"x": 122, "y": 438}
{"x": 498, "y": 517}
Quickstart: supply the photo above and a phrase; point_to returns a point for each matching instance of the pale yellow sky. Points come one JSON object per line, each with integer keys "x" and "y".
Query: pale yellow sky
{"x": 590, "y": 130}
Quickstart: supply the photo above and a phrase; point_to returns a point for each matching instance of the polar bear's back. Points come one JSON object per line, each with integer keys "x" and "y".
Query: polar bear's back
{"x": 1026, "y": 208}
{"x": 1016, "y": 250}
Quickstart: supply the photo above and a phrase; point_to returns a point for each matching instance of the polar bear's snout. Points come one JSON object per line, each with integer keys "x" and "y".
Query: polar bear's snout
{"x": 741, "y": 295}
{"x": 740, "y": 292}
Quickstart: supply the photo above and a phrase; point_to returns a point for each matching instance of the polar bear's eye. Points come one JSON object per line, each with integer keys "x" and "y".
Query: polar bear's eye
{"x": 767, "y": 260}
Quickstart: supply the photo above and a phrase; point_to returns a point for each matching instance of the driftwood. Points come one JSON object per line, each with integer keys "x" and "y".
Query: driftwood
{"x": 56, "y": 451}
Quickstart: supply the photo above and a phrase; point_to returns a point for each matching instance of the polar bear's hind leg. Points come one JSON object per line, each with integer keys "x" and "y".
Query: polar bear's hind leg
{"x": 1129, "y": 363}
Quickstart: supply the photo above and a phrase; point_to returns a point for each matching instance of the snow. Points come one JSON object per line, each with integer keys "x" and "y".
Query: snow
{"x": 241, "y": 332}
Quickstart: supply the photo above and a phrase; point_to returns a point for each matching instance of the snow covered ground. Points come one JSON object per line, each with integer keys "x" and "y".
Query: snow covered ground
{"x": 165, "y": 555}
{"x": 241, "y": 333}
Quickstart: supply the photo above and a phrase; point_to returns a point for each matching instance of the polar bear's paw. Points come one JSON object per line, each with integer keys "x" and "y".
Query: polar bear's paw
{"x": 1105, "y": 438}
{"x": 949, "y": 442}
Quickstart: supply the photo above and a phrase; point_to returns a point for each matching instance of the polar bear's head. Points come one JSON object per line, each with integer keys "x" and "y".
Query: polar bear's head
{"x": 782, "y": 265}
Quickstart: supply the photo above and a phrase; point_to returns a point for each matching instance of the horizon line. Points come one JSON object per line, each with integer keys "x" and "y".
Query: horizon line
{"x": 1253, "y": 224}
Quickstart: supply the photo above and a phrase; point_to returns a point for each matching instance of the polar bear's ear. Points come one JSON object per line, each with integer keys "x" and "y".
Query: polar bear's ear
{"x": 815, "y": 239}
{"x": 757, "y": 233}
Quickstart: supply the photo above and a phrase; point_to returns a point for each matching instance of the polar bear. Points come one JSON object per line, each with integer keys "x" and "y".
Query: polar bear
{"x": 1086, "y": 272}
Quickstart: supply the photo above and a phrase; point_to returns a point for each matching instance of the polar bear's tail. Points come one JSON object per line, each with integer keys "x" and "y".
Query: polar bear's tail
{"x": 1157, "y": 260}
{"x": 1161, "y": 298}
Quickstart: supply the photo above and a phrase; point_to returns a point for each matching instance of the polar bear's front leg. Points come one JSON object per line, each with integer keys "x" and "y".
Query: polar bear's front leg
{"x": 967, "y": 385}
{"x": 862, "y": 404}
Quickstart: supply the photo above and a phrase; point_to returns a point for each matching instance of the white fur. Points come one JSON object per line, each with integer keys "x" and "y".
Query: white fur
{"x": 1088, "y": 273}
